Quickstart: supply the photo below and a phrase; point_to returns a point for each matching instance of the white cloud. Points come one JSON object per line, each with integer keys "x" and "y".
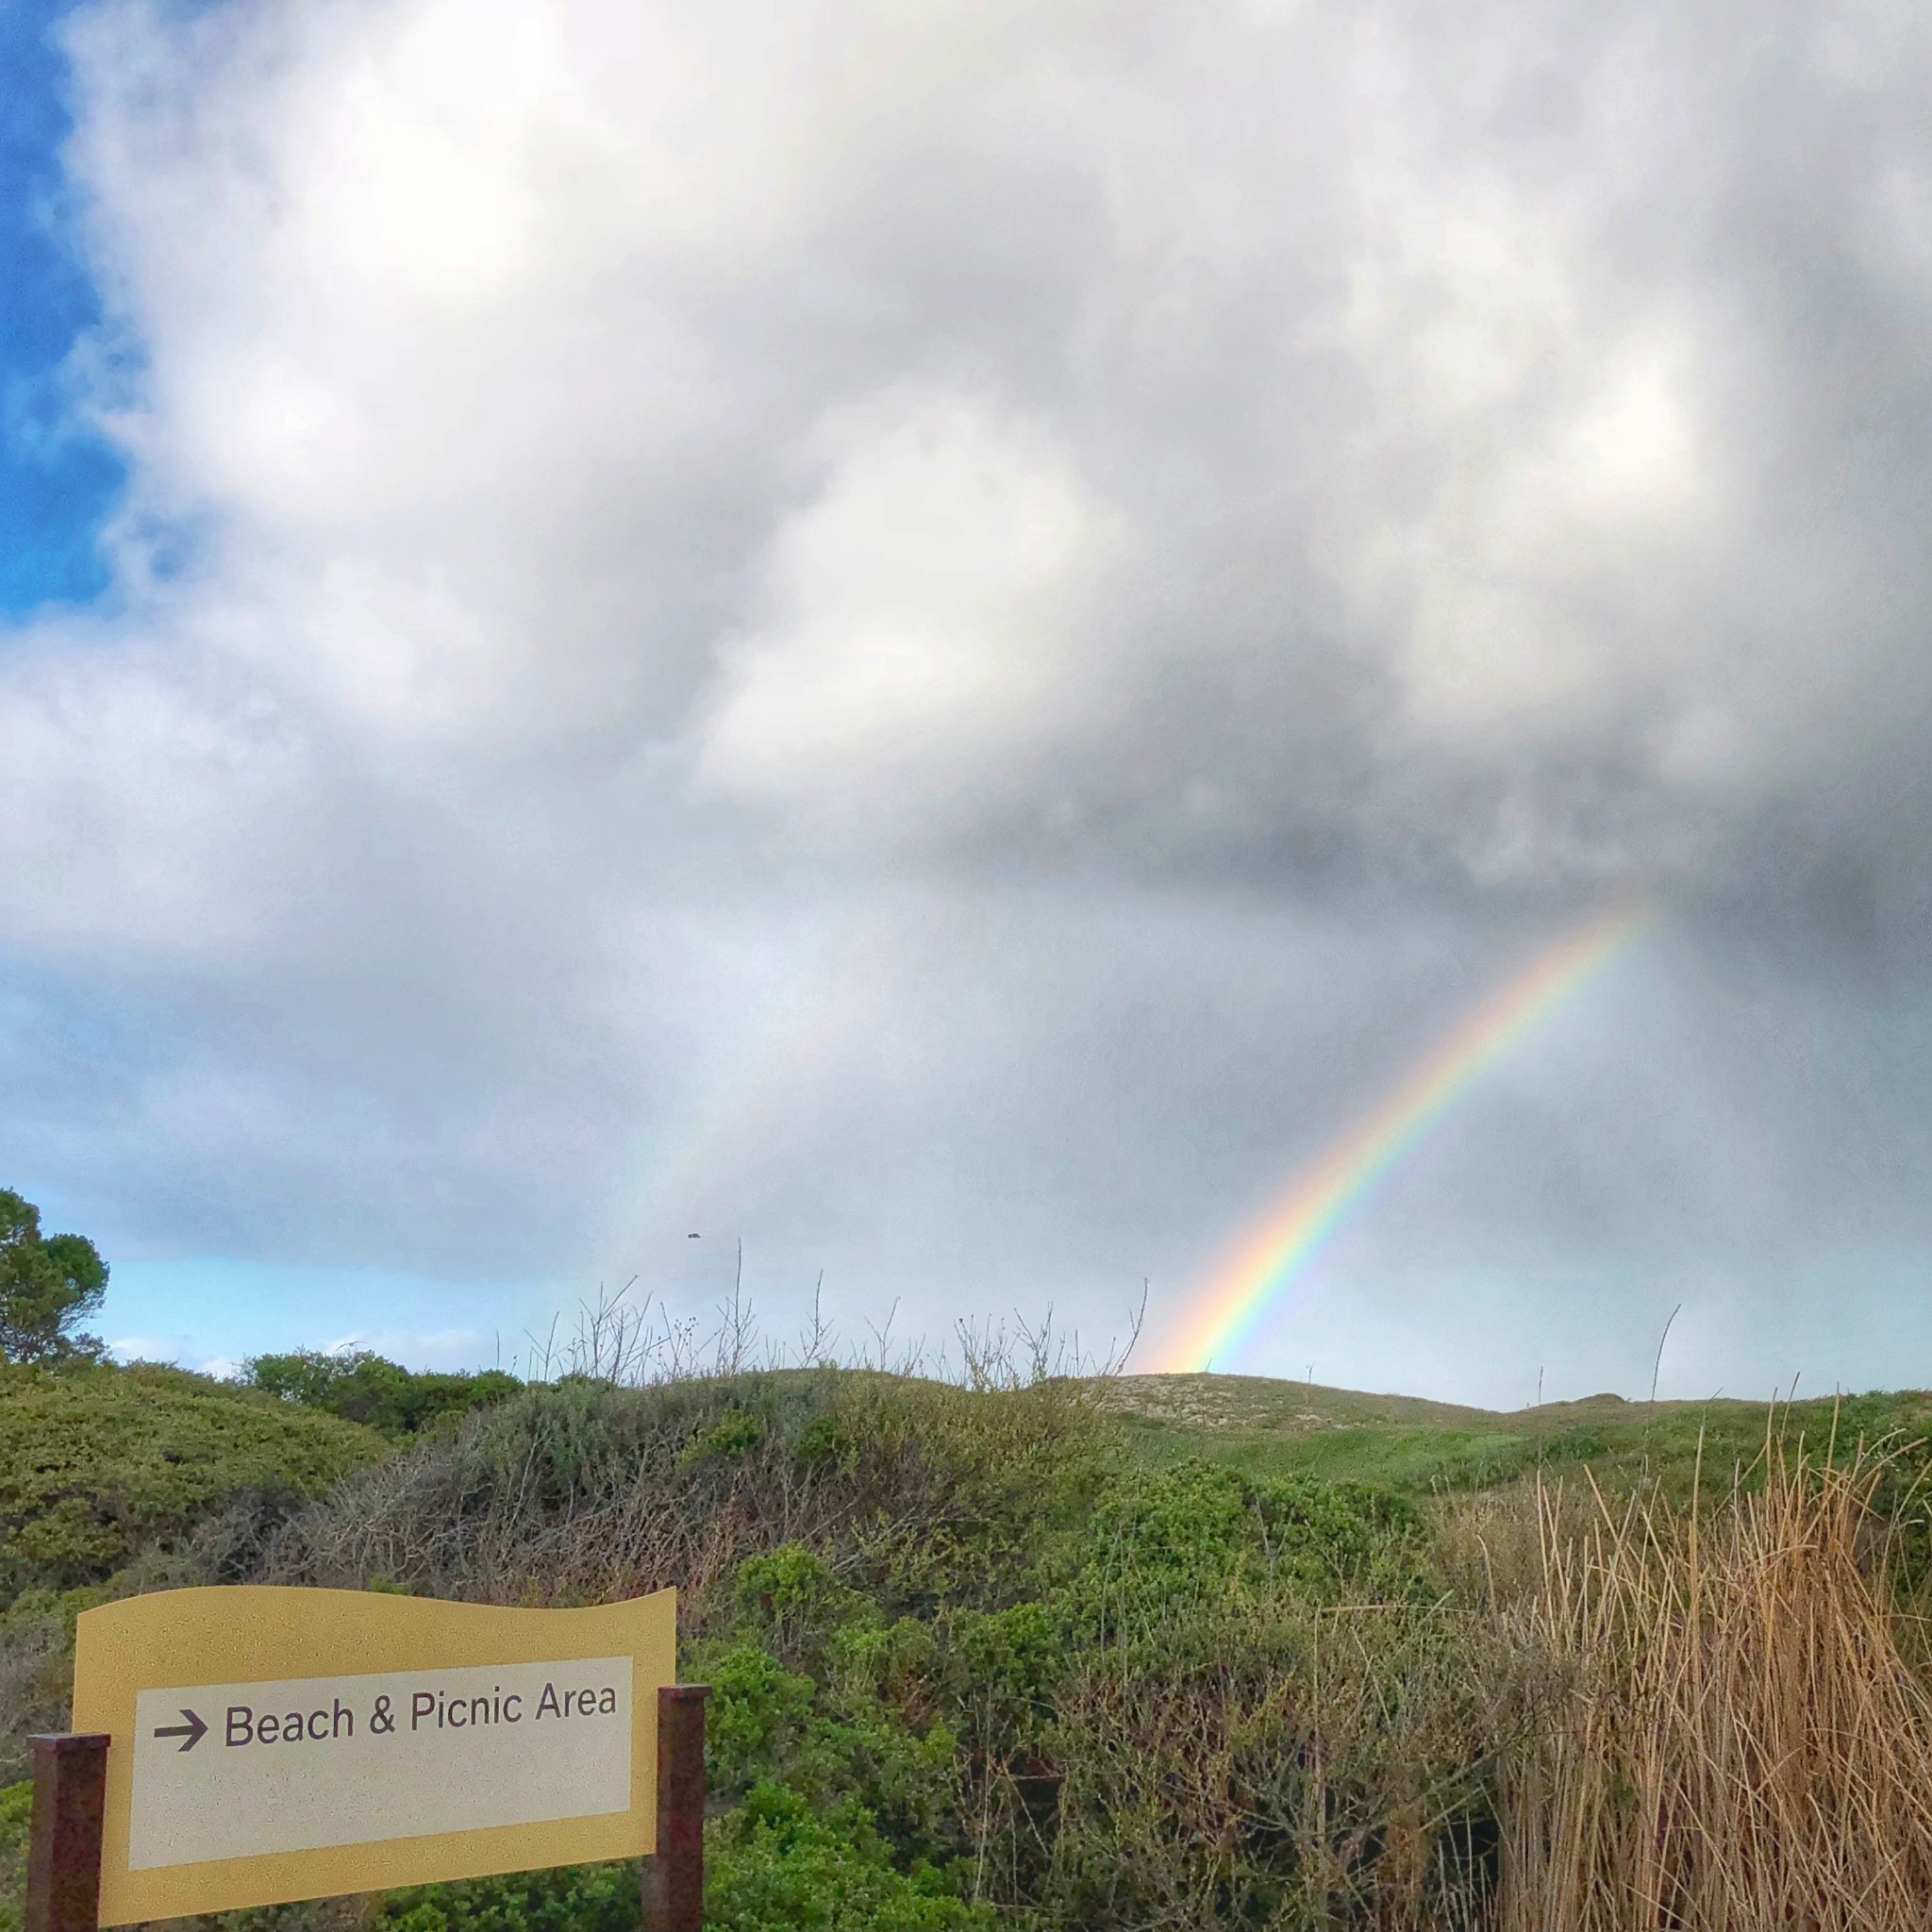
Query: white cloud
{"x": 930, "y": 626}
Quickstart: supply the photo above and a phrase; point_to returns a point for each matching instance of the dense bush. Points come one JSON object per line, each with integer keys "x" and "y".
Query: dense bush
{"x": 364, "y": 1388}
{"x": 99, "y": 1464}
{"x": 574, "y": 1898}
{"x": 777, "y": 1865}
{"x": 16, "y": 1812}
{"x": 916, "y": 1492}
{"x": 968, "y": 1660}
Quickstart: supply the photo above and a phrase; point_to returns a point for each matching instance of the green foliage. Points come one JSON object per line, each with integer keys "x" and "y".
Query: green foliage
{"x": 778, "y": 1866}
{"x": 364, "y": 1388}
{"x": 1200, "y": 1530}
{"x": 791, "y": 1597}
{"x": 842, "y": 1810}
{"x": 757, "y": 1715}
{"x": 48, "y": 1285}
{"x": 967, "y": 1659}
{"x": 35, "y": 1663}
{"x": 971, "y": 1659}
{"x": 572, "y": 1898}
{"x": 1275, "y": 1429}
{"x": 914, "y": 1493}
{"x": 775, "y": 1865}
{"x": 1002, "y": 1672}
{"x": 1021, "y": 1742}
{"x": 1412, "y": 1461}
{"x": 862, "y": 1729}
{"x": 976, "y": 1655}
{"x": 16, "y": 1814}
{"x": 99, "y": 1464}
{"x": 733, "y": 1434}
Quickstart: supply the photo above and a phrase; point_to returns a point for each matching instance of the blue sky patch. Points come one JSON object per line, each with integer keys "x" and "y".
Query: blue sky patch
{"x": 58, "y": 481}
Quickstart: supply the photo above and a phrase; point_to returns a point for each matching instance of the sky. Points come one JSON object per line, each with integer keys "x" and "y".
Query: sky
{"x": 941, "y": 642}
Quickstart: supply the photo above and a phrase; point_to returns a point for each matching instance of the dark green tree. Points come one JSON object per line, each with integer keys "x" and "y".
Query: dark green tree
{"x": 362, "y": 1387}
{"x": 48, "y": 1285}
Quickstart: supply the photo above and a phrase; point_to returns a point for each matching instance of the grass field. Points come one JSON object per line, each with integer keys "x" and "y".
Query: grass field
{"x": 1273, "y": 1428}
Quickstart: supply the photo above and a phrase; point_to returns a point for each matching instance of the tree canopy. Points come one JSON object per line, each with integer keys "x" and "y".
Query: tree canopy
{"x": 49, "y": 1283}
{"x": 365, "y": 1387}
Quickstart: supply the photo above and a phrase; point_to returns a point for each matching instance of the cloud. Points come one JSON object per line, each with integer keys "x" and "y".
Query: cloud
{"x": 1411, "y": 400}
{"x": 930, "y": 630}
{"x": 625, "y": 500}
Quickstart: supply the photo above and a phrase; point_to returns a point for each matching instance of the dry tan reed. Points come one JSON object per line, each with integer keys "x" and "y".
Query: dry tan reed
{"x": 1736, "y": 1739}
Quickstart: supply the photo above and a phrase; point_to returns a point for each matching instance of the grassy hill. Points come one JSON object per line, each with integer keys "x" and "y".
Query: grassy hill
{"x": 1269, "y": 1428}
{"x": 1204, "y": 1652}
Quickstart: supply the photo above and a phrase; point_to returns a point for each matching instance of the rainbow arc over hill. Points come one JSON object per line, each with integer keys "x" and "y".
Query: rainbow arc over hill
{"x": 1273, "y": 1253}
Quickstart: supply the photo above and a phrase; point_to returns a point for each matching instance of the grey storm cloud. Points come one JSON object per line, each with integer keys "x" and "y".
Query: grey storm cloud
{"x": 952, "y": 632}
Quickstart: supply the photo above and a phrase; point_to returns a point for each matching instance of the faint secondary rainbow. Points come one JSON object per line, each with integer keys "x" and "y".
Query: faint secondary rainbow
{"x": 1264, "y": 1264}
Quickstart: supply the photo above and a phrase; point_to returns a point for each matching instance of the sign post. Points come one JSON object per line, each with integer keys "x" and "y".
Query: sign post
{"x": 250, "y": 1746}
{"x": 674, "y": 1879}
{"x": 64, "y": 1847}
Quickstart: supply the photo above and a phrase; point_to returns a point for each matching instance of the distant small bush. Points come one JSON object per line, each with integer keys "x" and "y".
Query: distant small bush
{"x": 364, "y": 1388}
{"x": 1199, "y": 1528}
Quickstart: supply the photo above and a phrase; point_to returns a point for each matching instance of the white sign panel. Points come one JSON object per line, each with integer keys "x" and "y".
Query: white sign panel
{"x": 226, "y": 1771}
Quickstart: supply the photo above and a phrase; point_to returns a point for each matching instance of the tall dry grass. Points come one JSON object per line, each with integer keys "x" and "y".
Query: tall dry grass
{"x": 1734, "y": 1733}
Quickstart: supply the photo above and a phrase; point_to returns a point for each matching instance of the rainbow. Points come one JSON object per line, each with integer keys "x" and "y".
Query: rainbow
{"x": 1278, "y": 1248}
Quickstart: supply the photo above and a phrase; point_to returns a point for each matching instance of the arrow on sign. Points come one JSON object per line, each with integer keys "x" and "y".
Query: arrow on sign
{"x": 193, "y": 1730}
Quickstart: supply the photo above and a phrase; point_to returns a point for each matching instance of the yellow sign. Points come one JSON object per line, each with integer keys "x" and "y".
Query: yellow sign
{"x": 276, "y": 1745}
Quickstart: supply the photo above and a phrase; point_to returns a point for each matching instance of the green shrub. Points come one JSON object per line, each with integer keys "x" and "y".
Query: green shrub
{"x": 380, "y": 1394}
{"x": 16, "y": 1814}
{"x": 839, "y": 1741}
{"x": 967, "y": 1659}
{"x": 570, "y": 1898}
{"x": 914, "y": 1493}
{"x": 1201, "y": 1530}
{"x": 758, "y": 1712}
{"x": 792, "y": 1601}
{"x": 97, "y": 1465}
{"x": 777, "y": 1866}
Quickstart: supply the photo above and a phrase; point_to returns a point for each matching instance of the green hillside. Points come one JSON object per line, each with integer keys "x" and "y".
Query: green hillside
{"x": 1202, "y": 1651}
{"x": 1268, "y": 1427}
{"x": 97, "y": 1464}
{"x": 116, "y": 1480}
